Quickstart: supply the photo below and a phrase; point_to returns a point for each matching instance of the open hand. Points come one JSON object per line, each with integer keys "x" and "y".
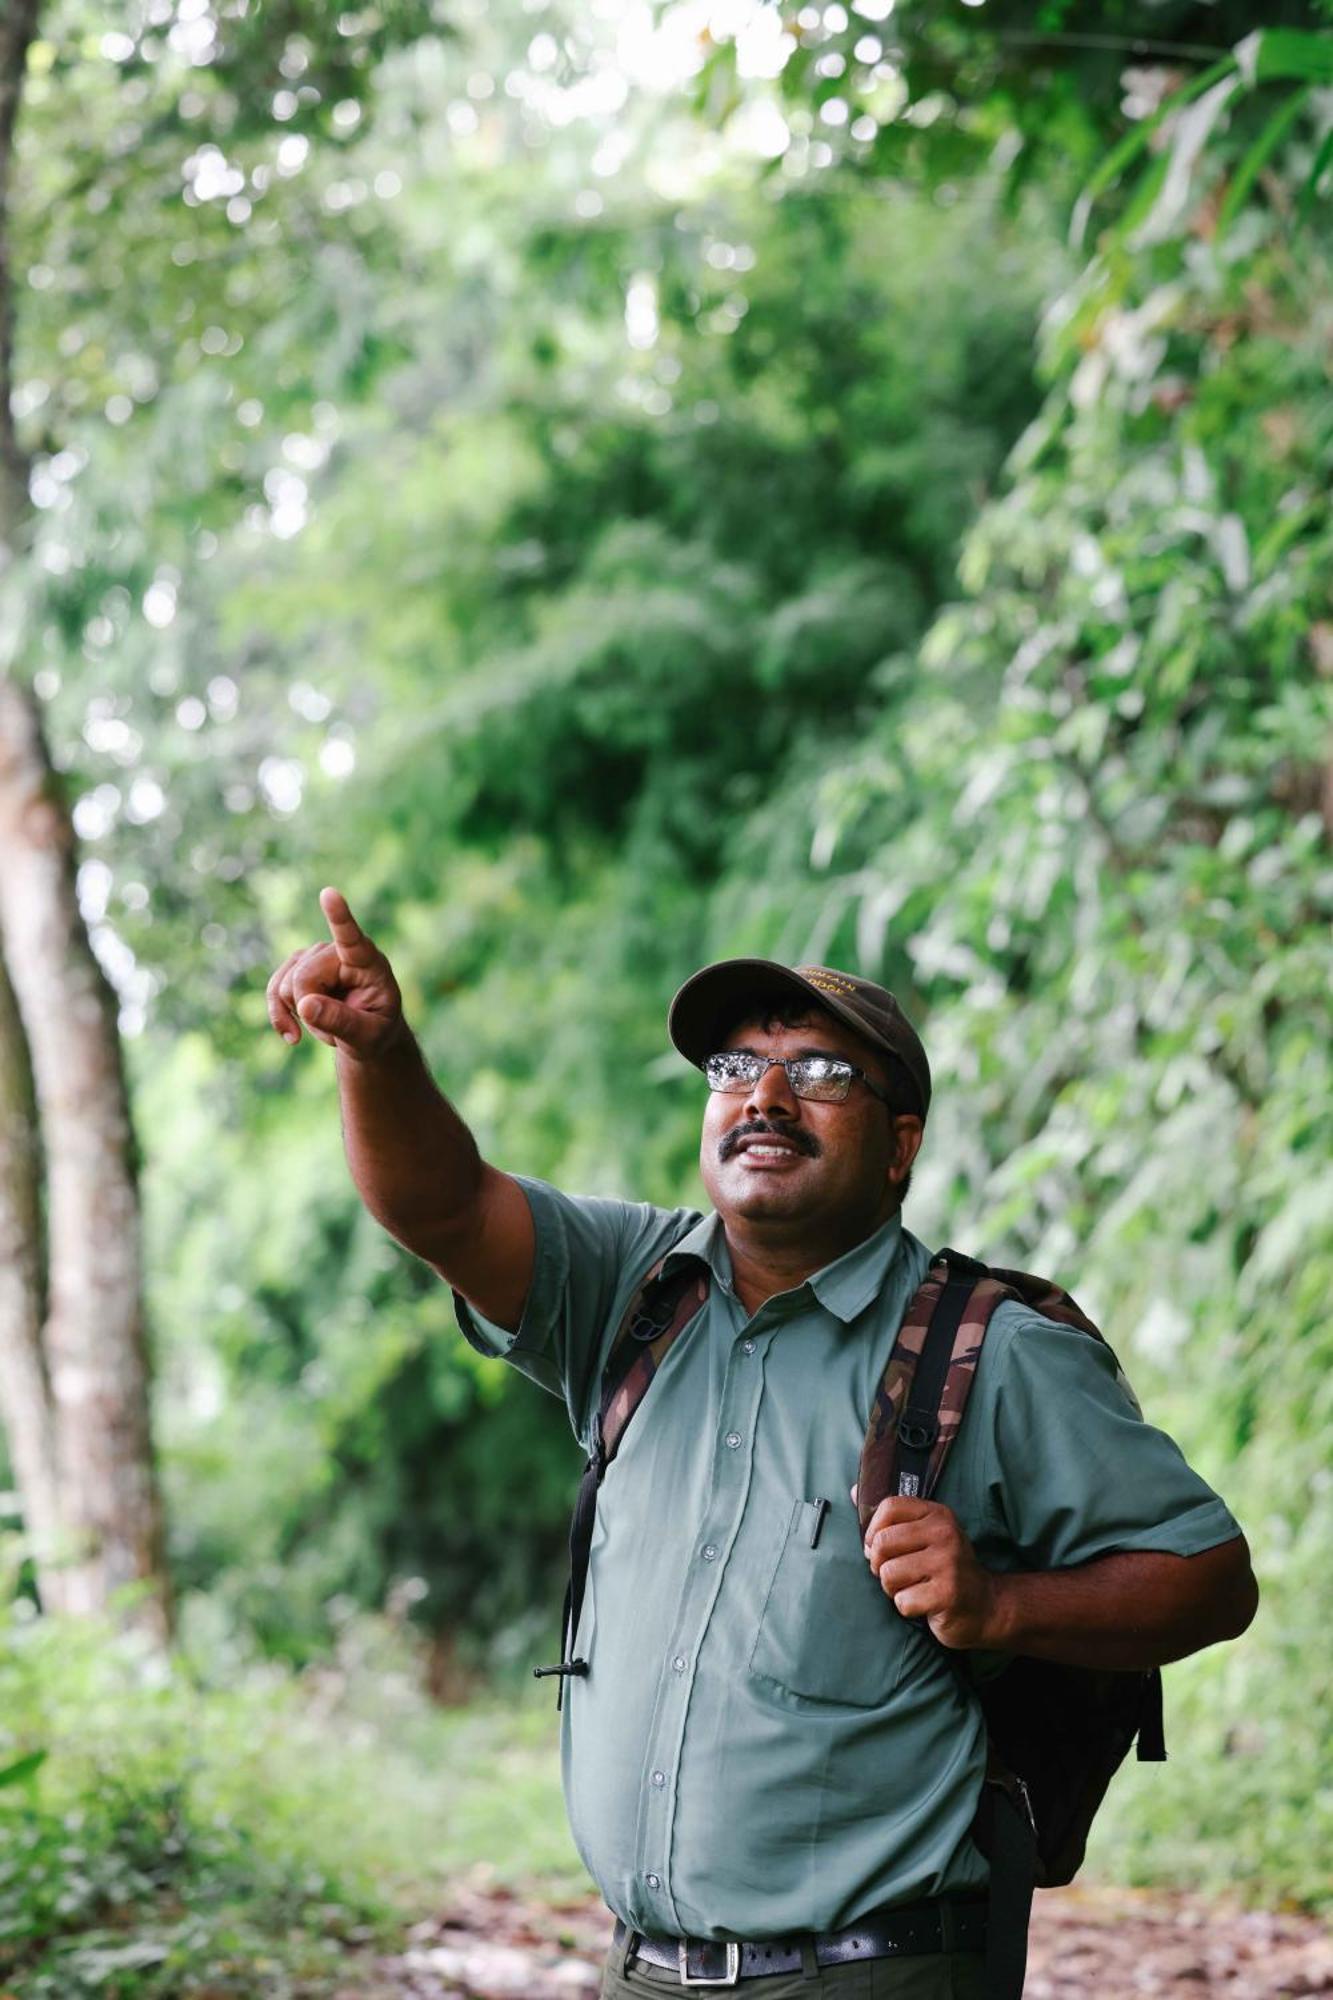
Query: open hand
{"x": 343, "y": 991}
{"x": 928, "y": 1568}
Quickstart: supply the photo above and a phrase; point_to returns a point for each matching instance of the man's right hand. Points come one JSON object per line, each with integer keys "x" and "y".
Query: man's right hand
{"x": 414, "y": 1162}
{"x": 343, "y": 991}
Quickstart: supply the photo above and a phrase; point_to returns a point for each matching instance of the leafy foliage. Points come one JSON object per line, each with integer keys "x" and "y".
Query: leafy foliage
{"x": 121, "y": 1871}
{"x": 173, "y": 1836}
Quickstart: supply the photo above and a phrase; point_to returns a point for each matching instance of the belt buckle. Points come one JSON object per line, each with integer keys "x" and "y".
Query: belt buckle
{"x": 728, "y": 1978}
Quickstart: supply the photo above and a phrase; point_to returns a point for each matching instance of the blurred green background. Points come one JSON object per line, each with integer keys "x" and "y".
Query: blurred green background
{"x": 610, "y": 486}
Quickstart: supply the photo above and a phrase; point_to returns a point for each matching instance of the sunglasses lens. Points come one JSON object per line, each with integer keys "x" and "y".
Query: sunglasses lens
{"x": 827, "y": 1082}
{"x": 731, "y": 1072}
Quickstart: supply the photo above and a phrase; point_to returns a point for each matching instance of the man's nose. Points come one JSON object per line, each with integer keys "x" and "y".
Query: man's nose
{"x": 773, "y": 1096}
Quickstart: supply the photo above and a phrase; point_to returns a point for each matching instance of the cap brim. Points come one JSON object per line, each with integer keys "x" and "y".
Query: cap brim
{"x": 711, "y": 1001}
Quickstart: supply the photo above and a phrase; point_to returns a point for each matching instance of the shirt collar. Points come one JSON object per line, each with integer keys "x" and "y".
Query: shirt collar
{"x": 707, "y": 1242}
{"x": 844, "y": 1287}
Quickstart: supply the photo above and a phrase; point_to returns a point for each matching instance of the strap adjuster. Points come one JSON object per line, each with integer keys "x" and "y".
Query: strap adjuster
{"x": 727, "y": 1978}
{"x": 653, "y": 1315}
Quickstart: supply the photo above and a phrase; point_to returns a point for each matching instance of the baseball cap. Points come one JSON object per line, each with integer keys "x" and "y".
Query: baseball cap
{"x": 709, "y": 1002}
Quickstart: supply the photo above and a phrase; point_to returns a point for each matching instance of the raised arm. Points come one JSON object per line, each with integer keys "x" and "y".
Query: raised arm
{"x": 415, "y": 1163}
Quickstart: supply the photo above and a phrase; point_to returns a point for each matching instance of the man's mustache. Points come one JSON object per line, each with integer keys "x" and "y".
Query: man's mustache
{"x": 792, "y": 1135}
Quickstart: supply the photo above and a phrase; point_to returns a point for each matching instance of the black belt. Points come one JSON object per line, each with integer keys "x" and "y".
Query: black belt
{"x": 905, "y": 1932}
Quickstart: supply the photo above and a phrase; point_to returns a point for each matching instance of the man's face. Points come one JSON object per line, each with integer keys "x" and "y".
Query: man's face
{"x": 770, "y": 1156}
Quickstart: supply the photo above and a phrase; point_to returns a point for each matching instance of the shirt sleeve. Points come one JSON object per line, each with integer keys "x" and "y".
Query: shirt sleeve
{"x": 1071, "y": 1470}
{"x": 591, "y": 1253}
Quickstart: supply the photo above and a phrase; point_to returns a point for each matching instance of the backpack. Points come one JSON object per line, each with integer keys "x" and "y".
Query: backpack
{"x": 1056, "y": 1734}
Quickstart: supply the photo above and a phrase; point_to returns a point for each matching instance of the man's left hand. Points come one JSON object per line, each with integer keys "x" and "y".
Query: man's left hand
{"x": 929, "y": 1569}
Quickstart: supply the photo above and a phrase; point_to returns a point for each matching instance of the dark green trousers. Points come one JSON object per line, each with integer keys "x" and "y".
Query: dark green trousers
{"x": 931, "y": 1976}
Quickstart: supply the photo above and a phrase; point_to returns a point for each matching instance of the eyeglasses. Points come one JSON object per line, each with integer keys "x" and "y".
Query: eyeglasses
{"x": 825, "y": 1078}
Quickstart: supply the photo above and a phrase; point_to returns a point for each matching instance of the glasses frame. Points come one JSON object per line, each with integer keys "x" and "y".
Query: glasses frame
{"x": 788, "y": 1063}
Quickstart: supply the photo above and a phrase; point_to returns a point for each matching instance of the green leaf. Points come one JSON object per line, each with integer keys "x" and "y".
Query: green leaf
{"x": 1317, "y": 172}
{"x": 1274, "y": 132}
{"x": 1144, "y": 200}
{"x": 1286, "y": 529}
{"x": 23, "y": 1768}
{"x": 1286, "y": 55}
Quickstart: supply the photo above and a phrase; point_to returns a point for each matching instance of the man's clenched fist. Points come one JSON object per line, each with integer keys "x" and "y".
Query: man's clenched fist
{"x": 928, "y": 1568}
{"x": 344, "y": 991}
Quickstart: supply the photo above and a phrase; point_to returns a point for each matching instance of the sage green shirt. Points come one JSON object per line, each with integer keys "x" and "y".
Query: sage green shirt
{"x": 762, "y": 1745}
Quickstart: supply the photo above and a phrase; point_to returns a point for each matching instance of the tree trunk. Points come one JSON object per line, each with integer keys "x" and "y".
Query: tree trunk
{"x": 25, "y": 1408}
{"x": 74, "y": 1377}
{"x": 18, "y": 25}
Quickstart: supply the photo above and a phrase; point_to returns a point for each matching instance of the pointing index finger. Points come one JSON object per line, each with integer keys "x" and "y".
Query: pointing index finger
{"x": 353, "y": 945}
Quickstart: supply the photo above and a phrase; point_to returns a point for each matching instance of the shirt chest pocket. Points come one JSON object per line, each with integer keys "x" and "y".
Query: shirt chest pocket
{"x": 827, "y": 1631}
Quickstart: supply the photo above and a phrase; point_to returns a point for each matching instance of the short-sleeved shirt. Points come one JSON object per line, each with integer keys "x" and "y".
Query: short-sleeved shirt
{"x": 762, "y": 1745}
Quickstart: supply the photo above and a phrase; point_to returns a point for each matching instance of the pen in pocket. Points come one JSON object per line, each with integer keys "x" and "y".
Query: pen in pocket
{"x": 821, "y": 1508}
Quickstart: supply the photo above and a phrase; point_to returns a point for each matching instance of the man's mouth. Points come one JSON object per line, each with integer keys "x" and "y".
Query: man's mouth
{"x": 762, "y": 1148}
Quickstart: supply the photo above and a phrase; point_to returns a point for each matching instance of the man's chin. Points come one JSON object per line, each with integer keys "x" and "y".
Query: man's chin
{"x": 759, "y": 1195}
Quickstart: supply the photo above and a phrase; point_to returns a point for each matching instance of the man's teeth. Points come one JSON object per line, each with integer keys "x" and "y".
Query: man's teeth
{"x": 768, "y": 1152}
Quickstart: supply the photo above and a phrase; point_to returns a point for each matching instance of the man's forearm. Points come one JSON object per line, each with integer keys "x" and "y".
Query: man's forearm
{"x": 414, "y": 1161}
{"x": 1123, "y": 1612}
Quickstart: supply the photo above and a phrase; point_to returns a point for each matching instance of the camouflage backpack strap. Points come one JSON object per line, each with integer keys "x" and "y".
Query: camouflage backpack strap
{"x": 659, "y": 1312}
{"x": 1044, "y": 1297}
{"x": 922, "y": 1397}
{"x": 920, "y": 1401}
{"x": 655, "y": 1318}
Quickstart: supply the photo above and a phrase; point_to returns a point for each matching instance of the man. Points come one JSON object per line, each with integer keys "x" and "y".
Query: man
{"x": 769, "y": 1746}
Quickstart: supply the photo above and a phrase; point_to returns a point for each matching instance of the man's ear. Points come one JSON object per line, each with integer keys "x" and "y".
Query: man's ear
{"x": 908, "y": 1132}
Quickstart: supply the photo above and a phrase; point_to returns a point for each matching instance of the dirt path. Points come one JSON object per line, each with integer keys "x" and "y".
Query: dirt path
{"x": 1091, "y": 1944}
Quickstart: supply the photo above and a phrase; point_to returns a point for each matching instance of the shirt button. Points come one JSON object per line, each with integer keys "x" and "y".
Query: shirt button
{"x": 679, "y": 1663}
{"x": 653, "y": 1881}
{"x": 659, "y": 1778}
{"x": 710, "y": 1552}
{"x": 747, "y": 1346}
{"x": 733, "y": 1440}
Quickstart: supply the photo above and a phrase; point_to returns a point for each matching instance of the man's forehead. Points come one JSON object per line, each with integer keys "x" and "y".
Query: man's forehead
{"x": 811, "y": 1024}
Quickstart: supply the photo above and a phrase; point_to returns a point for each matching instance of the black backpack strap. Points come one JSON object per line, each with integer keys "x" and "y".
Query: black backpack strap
{"x": 1152, "y": 1733}
{"x": 660, "y": 1310}
{"x": 1012, "y": 1852}
{"x": 919, "y": 1426}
